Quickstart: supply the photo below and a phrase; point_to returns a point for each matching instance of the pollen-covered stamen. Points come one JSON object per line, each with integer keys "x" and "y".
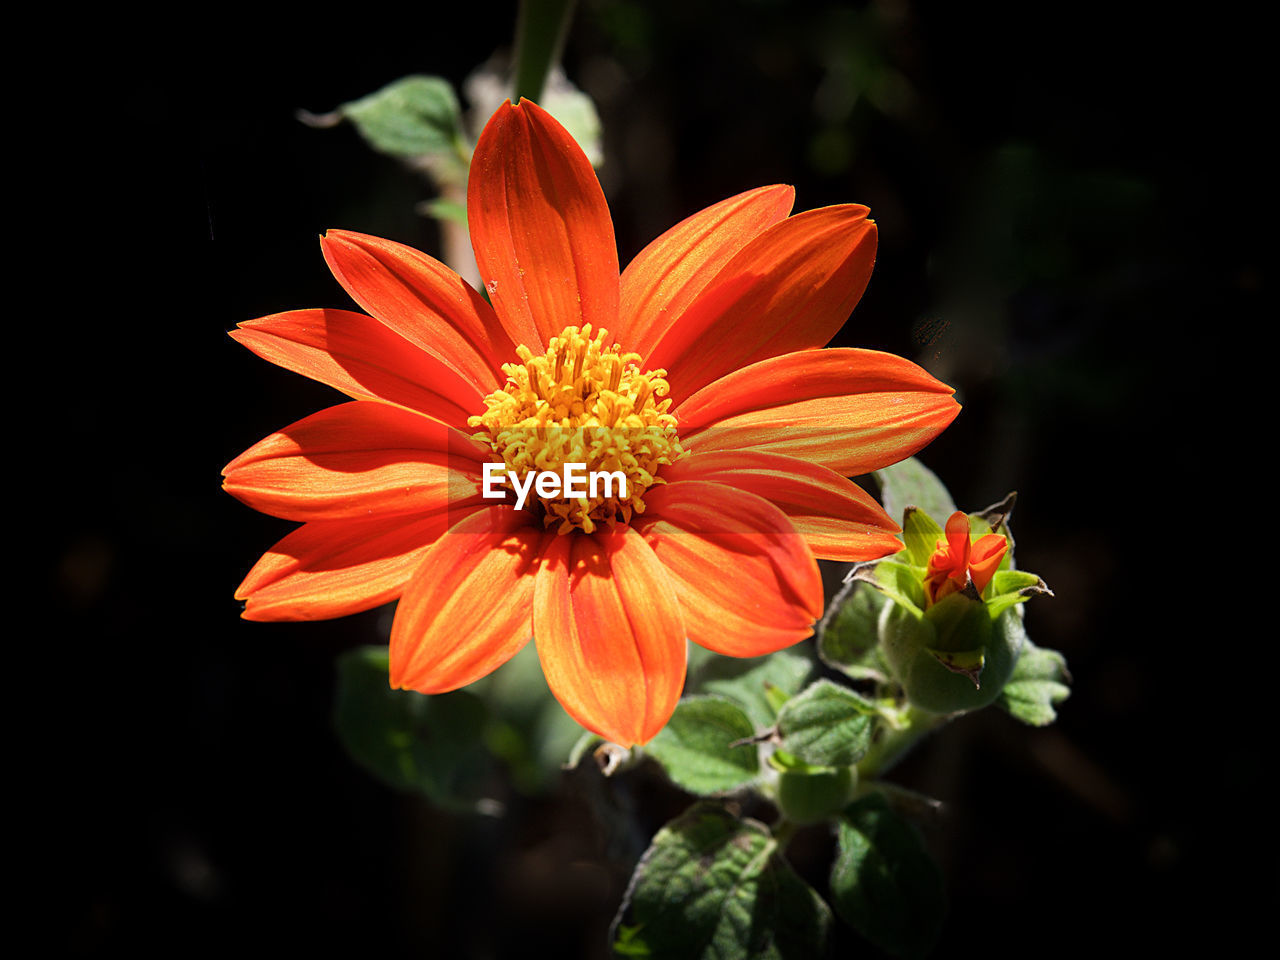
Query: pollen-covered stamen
{"x": 583, "y": 402}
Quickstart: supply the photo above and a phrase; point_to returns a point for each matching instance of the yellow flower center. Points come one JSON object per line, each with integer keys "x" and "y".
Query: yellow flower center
{"x": 582, "y": 403}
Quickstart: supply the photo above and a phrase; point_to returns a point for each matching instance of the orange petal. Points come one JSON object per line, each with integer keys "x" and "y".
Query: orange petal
{"x": 984, "y": 558}
{"x": 356, "y": 354}
{"x": 423, "y": 301}
{"x": 330, "y": 568}
{"x": 540, "y": 227}
{"x": 747, "y": 583}
{"x": 851, "y": 410}
{"x": 356, "y": 460}
{"x": 466, "y": 610}
{"x": 609, "y": 633}
{"x": 665, "y": 278}
{"x": 957, "y": 532}
{"x": 791, "y": 288}
{"x": 837, "y": 518}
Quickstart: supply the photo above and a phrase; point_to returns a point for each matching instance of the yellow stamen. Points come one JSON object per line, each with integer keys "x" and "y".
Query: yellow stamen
{"x": 582, "y": 402}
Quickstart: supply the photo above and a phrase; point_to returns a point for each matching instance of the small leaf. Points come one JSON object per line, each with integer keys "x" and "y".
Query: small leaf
{"x": 1039, "y": 681}
{"x": 883, "y": 881}
{"x": 847, "y": 636}
{"x": 442, "y": 209}
{"x": 694, "y": 746}
{"x": 409, "y": 740}
{"x": 911, "y": 484}
{"x": 753, "y": 682}
{"x": 712, "y": 887}
{"x": 826, "y": 725}
{"x": 414, "y": 118}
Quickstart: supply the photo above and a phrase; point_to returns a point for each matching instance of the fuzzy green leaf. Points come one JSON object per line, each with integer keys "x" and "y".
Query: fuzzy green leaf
{"x": 1039, "y": 681}
{"x": 711, "y": 887}
{"x": 883, "y": 881}
{"x": 826, "y": 725}
{"x": 415, "y": 117}
{"x": 911, "y": 484}
{"x": 409, "y": 740}
{"x": 694, "y": 746}
{"x": 847, "y": 637}
{"x": 755, "y": 683}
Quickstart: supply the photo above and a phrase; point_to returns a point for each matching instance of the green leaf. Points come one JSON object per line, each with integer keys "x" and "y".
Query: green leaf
{"x": 416, "y": 118}
{"x": 826, "y": 725}
{"x": 883, "y": 881}
{"x": 409, "y": 740}
{"x": 713, "y": 887}
{"x": 847, "y": 637}
{"x": 753, "y": 682}
{"x": 1039, "y": 681}
{"x": 694, "y": 746}
{"x": 912, "y": 484}
{"x": 442, "y": 209}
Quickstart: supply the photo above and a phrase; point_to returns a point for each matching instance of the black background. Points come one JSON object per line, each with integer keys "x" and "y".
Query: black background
{"x": 1069, "y": 202}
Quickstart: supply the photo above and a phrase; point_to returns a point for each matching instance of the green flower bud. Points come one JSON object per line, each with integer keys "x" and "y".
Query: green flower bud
{"x": 815, "y": 794}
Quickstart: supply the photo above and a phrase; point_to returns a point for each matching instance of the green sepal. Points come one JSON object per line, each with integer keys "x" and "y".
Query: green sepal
{"x": 847, "y": 636}
{"x": 701, "y": 746}
{"x": 1039, "y": 681}
{"x": 826, "y": 725}
{"x": 883, "y": 881}
{"x": 754, "y": 683}
{"x": 410, "y": 741}
{"x": 415, "y": 118}
{"x": 909, "y": 483}
{"x": 911, "y": 649}
{"x": 960, "y": 622}
{"x": 921, "y": 534}
{"x": 1010, "y": 587}
{"x": 714, "y": 886}
{"x": 900, "y": 582}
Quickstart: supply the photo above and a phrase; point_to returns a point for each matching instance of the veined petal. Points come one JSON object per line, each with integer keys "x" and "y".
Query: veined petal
{"x": 851, "y": 410}
{"x": 747, "y": 583}
{"x": 363, "y": 358}
{"x": 609, "y": 632}
{"x": 466, "y": 610}
{"x": 330, "y": 568}
{"x": 423, "y": 301}
{"x": 665, "y": 277}
{"x": 540, "y": 228}
{"x": 791, "y": 288}
{"x": 837, "y": 518}
{"x": 357, "y": 460}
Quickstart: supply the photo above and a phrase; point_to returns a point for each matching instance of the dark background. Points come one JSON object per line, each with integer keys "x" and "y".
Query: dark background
{"x": 1068, "y": 199}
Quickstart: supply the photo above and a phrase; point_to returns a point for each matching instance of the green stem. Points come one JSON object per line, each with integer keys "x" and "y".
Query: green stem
{"x": 541, "y": 27}
{"x": 895, "y": 744}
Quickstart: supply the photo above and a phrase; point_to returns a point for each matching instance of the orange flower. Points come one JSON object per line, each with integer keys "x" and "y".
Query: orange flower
{"x": 736, "y": 461}
{"x": 958, "y": 561}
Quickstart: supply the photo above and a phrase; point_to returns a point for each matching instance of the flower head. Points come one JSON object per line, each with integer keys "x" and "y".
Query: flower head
{"x": 960, "y": 561}
{"x": 696, "y": 374}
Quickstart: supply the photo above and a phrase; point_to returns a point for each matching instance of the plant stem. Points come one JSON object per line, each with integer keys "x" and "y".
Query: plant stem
{"x": 541, "y": 26}
{"x": 895, "y": 744}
